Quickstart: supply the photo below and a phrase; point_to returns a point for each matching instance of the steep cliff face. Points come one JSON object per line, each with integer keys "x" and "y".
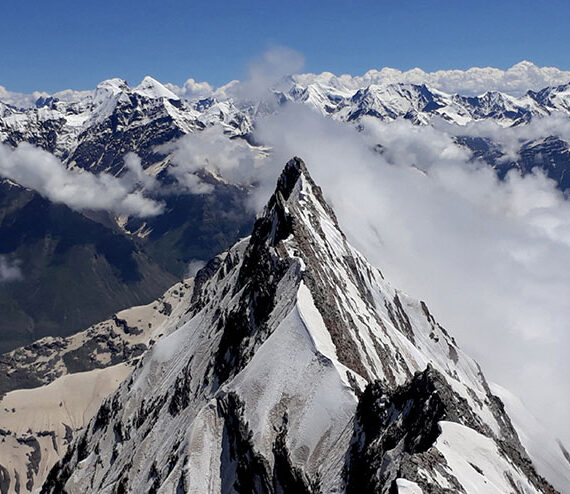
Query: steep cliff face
{"x": 298, "y": 368}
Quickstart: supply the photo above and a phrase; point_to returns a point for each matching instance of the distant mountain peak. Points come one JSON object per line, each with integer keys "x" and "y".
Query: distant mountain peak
{"x": 153, "y": 89}
{"x": 114, "y": 85}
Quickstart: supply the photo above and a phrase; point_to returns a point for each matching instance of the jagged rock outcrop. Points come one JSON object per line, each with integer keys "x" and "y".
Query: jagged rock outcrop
{"x": 395, "y": 432}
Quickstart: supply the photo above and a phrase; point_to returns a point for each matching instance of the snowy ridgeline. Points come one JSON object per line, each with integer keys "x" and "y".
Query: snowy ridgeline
{"x": 298, "y": 368}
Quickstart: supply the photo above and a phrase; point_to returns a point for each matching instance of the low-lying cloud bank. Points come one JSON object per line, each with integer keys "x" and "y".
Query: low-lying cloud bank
{"x": 516, "y": 80}
{"x": 28, "y": 100}
{"x": 39, "y": 170}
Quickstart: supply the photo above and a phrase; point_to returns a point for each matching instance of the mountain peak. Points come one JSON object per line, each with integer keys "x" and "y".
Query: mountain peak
{"x": 294, "y": 353}
{"x": 297, "y": 200}
{"x": 290, "y": 175}
{"x": 296, "y": 184}
{"x": 153, "y": 89}
{"x": 114, "y": 85}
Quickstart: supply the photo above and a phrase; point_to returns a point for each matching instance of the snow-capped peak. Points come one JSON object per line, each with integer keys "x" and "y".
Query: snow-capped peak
{"x": 298, "y": 368}
{"x": 113, "y": 86}
{"x": 151, "y": 88}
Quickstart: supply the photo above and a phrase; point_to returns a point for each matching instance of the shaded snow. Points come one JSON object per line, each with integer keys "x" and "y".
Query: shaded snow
{"x": 476, "y": 462}
{"x": 541, "y": 445}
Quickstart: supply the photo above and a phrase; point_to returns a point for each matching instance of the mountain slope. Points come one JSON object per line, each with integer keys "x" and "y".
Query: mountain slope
{"x": 549, "y": 454}
{"x": 75, "y": 271}
{"x": 298, "y": 368}
{"x": 79, "y": 268}
{"x": 51, "y": 389}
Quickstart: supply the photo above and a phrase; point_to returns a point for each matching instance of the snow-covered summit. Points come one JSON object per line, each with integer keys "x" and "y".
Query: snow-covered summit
{"x": 298, "y": 368}
{"x": 153, "y": 89}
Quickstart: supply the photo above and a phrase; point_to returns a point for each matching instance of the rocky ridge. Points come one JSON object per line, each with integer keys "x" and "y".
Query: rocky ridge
{"x": 295, "y": 361}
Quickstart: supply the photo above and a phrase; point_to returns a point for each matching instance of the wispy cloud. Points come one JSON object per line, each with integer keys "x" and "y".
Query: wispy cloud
{"x": 268, "y": 72}
{"x": 80, "y": 190}
{"x": 194, "y": 266}
{"x": 211, "y": 150}
{"x": 9, "y": 270}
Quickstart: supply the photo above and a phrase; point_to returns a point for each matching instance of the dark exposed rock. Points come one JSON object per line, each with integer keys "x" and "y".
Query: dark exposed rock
{"x": 34, "y": 458}
{"x": 394, "y": 431}
{"x": 122, "y": 324}
{"x": 400, "y": 319}
{"x": 371, "y": 466}
{"x": 245, "y": 470}
{"x": 181, "y": 393}
{"x": 102, "y": 417}
{"x": 204, "y": 275}
{"x": 287, "y": 477}
{"x": 17, "y": 485}
{"x": 68, "y": 434}
{"x": 4, "y": 480}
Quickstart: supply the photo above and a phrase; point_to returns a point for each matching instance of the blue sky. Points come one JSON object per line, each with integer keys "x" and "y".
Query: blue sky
{"x": 60, "y": 44}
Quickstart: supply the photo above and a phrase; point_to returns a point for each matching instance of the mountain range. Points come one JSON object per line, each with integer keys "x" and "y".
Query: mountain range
{"x": 95, "y": 130}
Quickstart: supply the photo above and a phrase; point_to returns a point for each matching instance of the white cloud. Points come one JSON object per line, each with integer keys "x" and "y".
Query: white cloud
{"x": 269, "y": 71}
{"x": 488, "y": 256}
{"x": 266, "y": 73}
{"x": 9, "y": 270}
{"x": 20, "y": 100}
{"x": 28, "y": 100}
{"x": 39, "y": 170}
{"x": 474, "y": 81}
{"x": 135, "y": 176}
{"x": 510, "y": 139}
{"x": 211, "y": 150}
{"x": 192, "y": 89}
